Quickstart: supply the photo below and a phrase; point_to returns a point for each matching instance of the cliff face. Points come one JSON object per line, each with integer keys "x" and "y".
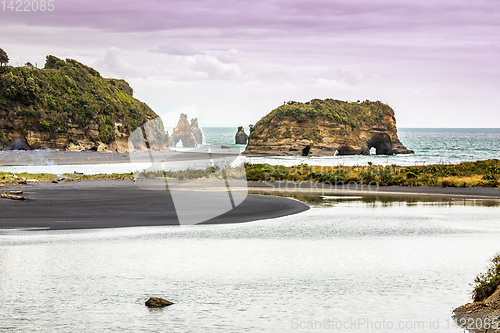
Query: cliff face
{"x": 67, "y": 106}
{"x": 327, "y": 127}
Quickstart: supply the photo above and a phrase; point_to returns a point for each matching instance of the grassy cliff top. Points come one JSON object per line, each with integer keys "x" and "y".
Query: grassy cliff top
{"x": 352, "y": 114}
{"x": 66, "y": 93}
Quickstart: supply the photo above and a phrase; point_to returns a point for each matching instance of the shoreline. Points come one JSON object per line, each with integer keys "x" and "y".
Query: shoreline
{"x": 92, "y": 204}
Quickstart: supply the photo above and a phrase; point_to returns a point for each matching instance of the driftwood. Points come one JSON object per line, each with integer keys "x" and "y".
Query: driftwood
{"x": 12, "y": 196}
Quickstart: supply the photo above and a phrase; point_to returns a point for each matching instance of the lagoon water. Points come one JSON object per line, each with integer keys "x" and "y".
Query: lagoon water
{"x": 351, "y": 266}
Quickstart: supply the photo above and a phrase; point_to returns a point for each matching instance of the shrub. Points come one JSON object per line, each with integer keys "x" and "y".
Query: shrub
{"x": 487, "y": 283}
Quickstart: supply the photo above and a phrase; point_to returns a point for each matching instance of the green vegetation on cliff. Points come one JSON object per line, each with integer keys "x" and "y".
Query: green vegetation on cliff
{"x": 64, "y": 94}
{"x": 349, "y": 114}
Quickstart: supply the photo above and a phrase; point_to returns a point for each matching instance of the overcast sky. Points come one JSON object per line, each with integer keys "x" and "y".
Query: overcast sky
{"x": 437, "y": 63}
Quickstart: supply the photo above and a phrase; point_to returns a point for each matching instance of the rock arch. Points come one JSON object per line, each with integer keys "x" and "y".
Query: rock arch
{"x": 382, "y": 144}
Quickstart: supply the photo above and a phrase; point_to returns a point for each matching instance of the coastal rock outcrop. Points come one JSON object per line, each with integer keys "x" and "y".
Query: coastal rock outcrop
{"x": 67, "y": 106}
{"x": 157, "y": 302}
{"x": 326, "y": 128}
{"x": 485, "y": 307}
{"x": 184, "y": 133}
{"x": 241, "y": 138}
{"x": 198, "y": 135}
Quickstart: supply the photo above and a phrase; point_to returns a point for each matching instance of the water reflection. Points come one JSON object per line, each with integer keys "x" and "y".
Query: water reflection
{"x": 380, "y": 201}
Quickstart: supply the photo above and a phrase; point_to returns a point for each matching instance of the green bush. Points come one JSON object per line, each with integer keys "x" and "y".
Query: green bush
{"x": 488, "y": 282}
{"x": 47, "y": 126}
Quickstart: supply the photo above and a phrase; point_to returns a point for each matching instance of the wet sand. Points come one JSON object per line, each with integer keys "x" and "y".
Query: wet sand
{"x": 52, "y": 157}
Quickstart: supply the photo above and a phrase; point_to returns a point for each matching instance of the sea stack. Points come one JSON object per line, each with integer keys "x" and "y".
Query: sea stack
{"x": 184, "y": 132}
{"x": 326, "y": 128}
{"x": 241, "y": 138}
{"x": 196, "y": 131}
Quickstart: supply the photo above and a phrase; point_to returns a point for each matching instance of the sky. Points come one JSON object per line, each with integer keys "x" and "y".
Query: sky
{"x": 436, "y": 63}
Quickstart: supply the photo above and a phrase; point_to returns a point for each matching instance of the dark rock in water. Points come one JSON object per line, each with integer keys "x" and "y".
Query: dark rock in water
{"x": 157, "y": 302}
{"x": 184, "y": 133}
{"x": 196, "y": 131}
{"x": 241, "y": 138}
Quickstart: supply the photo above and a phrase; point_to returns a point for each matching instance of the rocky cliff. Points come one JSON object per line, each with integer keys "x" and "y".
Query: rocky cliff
{"x": 67, "y": 106}
{"x": 327, "y": 127}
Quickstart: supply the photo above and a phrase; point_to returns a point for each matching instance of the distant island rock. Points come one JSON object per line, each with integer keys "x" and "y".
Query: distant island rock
{"x": 67, "y": 106}
{"x": 326, "y": 128}
{"x": 241, "y": 138}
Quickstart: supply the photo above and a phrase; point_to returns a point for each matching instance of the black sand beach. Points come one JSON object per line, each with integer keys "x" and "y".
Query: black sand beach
{"x": 115, "y": 203}
{"x": 112, "y": 204}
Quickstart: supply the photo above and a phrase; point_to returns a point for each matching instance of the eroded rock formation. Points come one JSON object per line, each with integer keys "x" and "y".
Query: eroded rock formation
{"x": 326, "y": 128}
{"x": 241, "y": 138}
{"x": 196, "y": 131}
{"x": 184, "y": 133}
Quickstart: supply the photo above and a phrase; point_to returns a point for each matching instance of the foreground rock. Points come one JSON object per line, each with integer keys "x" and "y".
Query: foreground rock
{"x": 326, "y": 128}
{"x": 492, "y": 303}
{"x": 157, "y": 302}
{"x": 241, "y": 138}
{"x": 483, "y": 315}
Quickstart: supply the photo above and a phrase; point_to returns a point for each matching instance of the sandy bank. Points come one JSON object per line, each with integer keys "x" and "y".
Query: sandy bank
{"x": 111, "y": 204}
